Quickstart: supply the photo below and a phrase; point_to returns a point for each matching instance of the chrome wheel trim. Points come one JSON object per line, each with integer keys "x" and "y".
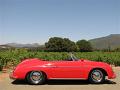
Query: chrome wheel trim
{"x": 36, "y": 76}
{"x": 97, "y": 76}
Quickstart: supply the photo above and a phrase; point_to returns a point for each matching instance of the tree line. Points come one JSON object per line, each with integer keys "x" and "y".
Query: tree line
{"x": 57, "y": 44}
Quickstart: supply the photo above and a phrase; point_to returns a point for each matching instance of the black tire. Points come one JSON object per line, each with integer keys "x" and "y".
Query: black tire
{"x": 96, "y": 76}
{"x": 36, "y": 78}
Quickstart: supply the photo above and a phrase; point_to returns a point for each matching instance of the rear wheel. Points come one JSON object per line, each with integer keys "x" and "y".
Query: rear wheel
{"x": 97, "y": 76}
{"x": 36, "y": 77}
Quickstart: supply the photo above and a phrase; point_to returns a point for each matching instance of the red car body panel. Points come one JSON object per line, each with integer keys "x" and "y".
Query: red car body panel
{"x": 60, "y": 69}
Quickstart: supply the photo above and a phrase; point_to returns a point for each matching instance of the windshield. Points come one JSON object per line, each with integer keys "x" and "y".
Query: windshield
{"x": 72, "y": 57}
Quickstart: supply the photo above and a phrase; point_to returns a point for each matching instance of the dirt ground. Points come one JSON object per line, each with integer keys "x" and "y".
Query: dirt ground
{"x": 7, "y": 84}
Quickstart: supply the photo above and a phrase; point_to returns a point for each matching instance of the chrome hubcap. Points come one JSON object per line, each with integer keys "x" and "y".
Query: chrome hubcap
{"x": 97, "y": 76}
{"x": 36, "y": 76}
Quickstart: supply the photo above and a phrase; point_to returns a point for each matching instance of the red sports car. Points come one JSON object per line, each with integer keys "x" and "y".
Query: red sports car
{"x": 37, "y": 71}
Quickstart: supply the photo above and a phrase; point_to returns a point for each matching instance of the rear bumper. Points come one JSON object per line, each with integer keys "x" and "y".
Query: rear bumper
{"x": 12, "y": 76}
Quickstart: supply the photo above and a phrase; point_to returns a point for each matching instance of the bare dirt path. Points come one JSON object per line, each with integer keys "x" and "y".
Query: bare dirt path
{"x": 7, "y": 84}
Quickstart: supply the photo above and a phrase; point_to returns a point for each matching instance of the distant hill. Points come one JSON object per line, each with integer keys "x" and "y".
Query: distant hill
{"x": 22, "y": 45}
{"x": 4, "y": 47}
{"x": 112, "y": 41}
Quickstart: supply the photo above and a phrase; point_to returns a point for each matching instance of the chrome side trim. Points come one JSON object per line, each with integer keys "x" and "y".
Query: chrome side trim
{"x": 64, "y": 66}
{"x": 52, "y": 66}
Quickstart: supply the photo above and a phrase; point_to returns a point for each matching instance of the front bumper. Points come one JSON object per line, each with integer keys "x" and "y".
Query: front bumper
{"x": 112, "y": 76}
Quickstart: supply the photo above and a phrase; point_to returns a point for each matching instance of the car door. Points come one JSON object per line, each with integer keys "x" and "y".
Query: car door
{"x": 67, "y": 69}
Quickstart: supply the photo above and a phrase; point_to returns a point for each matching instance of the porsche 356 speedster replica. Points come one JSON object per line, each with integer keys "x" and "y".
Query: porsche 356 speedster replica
{"x": 37, "y": 71}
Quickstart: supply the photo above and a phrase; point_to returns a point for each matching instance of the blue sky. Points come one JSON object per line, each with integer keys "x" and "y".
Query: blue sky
{"x": 35, "y": 21}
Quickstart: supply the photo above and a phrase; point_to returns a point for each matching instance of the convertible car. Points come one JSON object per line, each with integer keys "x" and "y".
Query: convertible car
{"x": 37, "y": 71}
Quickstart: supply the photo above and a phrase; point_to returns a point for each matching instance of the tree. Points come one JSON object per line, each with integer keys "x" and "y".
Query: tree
{"x": 69, "y": 45}
{"x": 60, "y": 44}
{"x": 84, "y": 46}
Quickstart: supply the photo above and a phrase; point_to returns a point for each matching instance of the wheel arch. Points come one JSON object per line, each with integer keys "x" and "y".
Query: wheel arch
{"x": 103, "y": 70}
{"x": 38, "y": 71}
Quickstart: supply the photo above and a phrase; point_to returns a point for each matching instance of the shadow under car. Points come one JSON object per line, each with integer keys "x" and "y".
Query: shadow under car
{"x": 63, "y": 82}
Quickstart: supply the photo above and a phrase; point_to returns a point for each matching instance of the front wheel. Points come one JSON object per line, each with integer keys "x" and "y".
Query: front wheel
{"x": 97, "y": 76}
{"x": 36, "y": 77}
